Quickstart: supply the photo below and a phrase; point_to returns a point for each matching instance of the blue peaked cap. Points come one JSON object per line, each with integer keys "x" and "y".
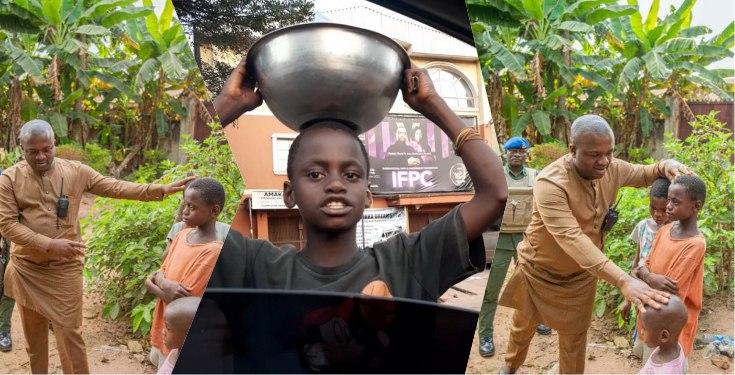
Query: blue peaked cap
{"x": 516, "y": 143}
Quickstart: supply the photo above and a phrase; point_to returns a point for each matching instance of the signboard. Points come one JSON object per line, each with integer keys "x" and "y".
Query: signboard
{"x": 269, "y": 199}
{"x": 409, "y": 154}
{"x": 379, "y": 224}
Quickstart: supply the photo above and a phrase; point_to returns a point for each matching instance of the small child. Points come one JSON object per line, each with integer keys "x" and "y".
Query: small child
{"x": 328, "y": 169}
{"x": 177, "y": 319}
{"x": 660, "y": 329}
{"x": 643, "y": 235}
{"x": 676, "y": 261}
{"x": 645, "y": 231}
{"x": 191, "y": 256}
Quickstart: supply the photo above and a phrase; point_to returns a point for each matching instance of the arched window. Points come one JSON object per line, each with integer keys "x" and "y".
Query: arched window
{"x": 453, "y": 88}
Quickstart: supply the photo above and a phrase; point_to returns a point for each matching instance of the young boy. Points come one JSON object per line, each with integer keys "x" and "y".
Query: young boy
{"x": 660, "y": 329}
{"x": 327, "y": 172}
{"x": 676, "y": 261}
{"x": 191, "y": 256}
{"x": 645, "y": 231}
{"x": 177, "y": 319}
{"x": 643, "y": 235}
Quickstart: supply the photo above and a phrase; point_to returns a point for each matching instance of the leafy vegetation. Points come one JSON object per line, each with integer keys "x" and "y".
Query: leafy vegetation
{"x": 547, "y": 62}
{"x": 108, "y": 72}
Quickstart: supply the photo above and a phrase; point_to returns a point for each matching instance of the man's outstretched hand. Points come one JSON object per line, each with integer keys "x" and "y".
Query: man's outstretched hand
{"x": 237, "y": 96}
{"x": 177, "y": 186}
{"x": 642, "y": 295}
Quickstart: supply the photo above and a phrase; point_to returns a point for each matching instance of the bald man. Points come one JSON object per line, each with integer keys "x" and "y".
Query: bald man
{"x": 561, "y": 256}
{"x": 44, "y": 275}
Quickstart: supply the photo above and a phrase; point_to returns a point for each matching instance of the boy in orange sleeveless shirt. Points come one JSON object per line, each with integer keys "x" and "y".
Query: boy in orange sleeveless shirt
{"x": 676, "y": 261}
{"x": 191, "y": 256}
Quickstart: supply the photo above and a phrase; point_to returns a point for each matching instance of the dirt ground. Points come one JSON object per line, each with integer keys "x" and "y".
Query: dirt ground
{"x": 107, "y": 346}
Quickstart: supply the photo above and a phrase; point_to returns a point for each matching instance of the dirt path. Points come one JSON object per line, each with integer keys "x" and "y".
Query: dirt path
{"x": 602, "y": 355}
{"x": 106, "y": 341}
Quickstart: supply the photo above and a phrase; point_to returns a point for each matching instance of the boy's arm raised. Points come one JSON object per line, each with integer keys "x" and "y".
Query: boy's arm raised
{"x": 237, "y": 96}
{"x": 483, "y": 165}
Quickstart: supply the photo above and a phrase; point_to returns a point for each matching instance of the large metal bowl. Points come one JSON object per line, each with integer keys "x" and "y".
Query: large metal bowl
{"x": 324, "y": 71}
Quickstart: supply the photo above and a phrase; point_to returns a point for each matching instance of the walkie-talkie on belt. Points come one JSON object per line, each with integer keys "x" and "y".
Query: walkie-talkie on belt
{"x": 62, "y": 205}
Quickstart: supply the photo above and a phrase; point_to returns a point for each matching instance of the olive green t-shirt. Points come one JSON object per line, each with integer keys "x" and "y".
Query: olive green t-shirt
{"x": 421, "y": 265}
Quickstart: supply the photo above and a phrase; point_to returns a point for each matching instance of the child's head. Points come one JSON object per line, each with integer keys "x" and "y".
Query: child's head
{"x": 686, "y": 197}
{"x": 661, "y": 327}
{"x": 328, "y": 170}
{"x": 177, "y": 319}
{"x": 203, "y": 202}
{"x": 658, "y": 197}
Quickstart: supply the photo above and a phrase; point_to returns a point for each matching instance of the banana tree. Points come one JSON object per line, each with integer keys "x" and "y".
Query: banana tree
{"x": 20, "y": 69}
{"x": 67, "y": 32}
{"x": 662, "y": 54}
{"x": 547, "y": 32}
{"x": 165, "y": 62}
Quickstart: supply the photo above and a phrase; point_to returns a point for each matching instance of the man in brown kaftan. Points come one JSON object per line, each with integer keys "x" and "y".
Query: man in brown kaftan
{"x": 44, "y": 275}
{"x": 561, "y": 257}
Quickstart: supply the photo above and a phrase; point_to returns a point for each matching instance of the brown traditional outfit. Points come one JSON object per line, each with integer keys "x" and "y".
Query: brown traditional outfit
{"x": 561, "y": 257}
{"x": 45, "y": 287}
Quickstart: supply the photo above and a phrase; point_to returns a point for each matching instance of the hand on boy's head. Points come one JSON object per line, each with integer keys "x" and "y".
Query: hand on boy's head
{"x": 237, "y": 96}
{"x": 674, "y": 169}
{"x": 639, "y": 293}
{"x": 177, "y": 186}
{"x": 418, "y": 90}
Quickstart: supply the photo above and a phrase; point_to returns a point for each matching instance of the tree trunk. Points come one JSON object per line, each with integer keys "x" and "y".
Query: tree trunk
{"x": 81, "y": 133}
{"x": 562, "y": 126}
{"x": 16, "y": 98}
{"x": 495, "y": 97}
{"x": 197, "y": 47}
{"x": 536, "y": 76}
{"x": 53, "y": 77}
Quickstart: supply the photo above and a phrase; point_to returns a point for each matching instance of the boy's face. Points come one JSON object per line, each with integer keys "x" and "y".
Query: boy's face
{"x": 172, "y": 336}
{"x": 329, "y": 183}
{"x": 680, "y": 205}
{"x": 658, "y": 210}
{"x": 196, "y": 211}
{"x": 649, "y": 338}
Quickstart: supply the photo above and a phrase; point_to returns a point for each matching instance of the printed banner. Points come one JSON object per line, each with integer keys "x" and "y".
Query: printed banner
{"x": 266, "y": 199}
{"x": 409, "y": 154}
{"x": 379, "y": 224}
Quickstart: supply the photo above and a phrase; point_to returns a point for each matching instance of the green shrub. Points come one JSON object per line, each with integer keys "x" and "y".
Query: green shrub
{"x": 544, "y": 154}
{"x": 71, "y": 151}
{"x": 128, "y": 237}
{"x": 97, "y": 157}
{"x": 92, "y": 155}
{"x": 8, "y": 158}
{"x": 708, "y": 151}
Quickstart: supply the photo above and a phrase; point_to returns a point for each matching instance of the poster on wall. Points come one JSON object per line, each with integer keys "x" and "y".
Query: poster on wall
{"x": 409, "y": 154}
{"x": 379, "y": 224}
